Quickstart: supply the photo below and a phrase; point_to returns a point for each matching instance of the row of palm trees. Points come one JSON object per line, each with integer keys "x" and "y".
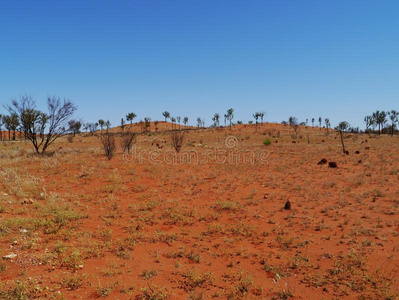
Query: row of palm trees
{"x": 11, "y": 124}
{"x": 385, "y": 121}
{"x": 376, "y": 119}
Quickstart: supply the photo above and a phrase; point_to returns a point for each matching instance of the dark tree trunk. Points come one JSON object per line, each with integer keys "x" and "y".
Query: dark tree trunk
{"x": 342, "y": 141}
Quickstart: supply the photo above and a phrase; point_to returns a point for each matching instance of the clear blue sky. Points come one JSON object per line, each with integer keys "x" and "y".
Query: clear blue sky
{"x": 336, "y": 59}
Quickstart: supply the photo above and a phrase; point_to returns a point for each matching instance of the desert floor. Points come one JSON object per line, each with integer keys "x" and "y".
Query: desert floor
{"x": 206, "y": 223}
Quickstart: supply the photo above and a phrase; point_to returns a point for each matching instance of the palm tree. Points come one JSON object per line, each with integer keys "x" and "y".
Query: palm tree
{"x": 230, "y": 115}
{"x": 342, "y": 127}
{"x": 215, "y": 120}
{"x": 178, "y": 118}
{"x": 261, "y": 114}
{"x": 394, "y": 116}
{"x": 14, "y": 124}
{"x": 130, "y": 117}
{"x": 122, "y": 124}
{"x": 380, "y": 117}
{"x": 199, "y": 122}
{"x": 320, "y": 119}
{"x": 256, "y": 117}
{"x": 327, "y": 122}
{"x": 147, "y": 121}
{"x": 185, "y": 121}
{"x": 7, "y": 124}
{"x": 101, "y": 123}
{"x": 292, "y": 121}
{"x": 166, "y": 115}
{"x": 173, "y": 119}
{"x": 108, "y": 125}
{"x": 369, "y": 121}
{"x": 313, "y": 122}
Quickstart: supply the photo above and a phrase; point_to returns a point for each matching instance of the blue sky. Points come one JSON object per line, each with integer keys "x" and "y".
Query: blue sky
{"x": 336, "y": 59}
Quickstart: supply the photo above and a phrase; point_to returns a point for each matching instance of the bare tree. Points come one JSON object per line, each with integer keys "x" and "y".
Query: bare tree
{"x": 127, "y": 140}
{"x": 92, "y": 127}
{"x": 293, "y": 121}
{"x": 109, "y": 145}
{"x": 40, "y": 128}
{"x": 177, "y": 140}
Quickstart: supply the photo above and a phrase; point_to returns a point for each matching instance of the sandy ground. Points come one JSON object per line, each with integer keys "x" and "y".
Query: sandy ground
{"x": 206, "y": 223}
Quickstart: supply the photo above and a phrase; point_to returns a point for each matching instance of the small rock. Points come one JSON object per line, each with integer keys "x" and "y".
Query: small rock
{"x": 322, "y": 162}
{"x": 265, "y": 196}
{"x": 23, "y": 230}
{"x": 10, "y": 256}
{"x": 287, "y": 205}
{"x": 357, "y": 152}
{"x": 27, "y": 201}
{"x": 332, "y": 164}
{"x": 80, "y": 266}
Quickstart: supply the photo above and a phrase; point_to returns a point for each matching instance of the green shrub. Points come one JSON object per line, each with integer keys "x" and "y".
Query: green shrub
{"x": 267, "y": 142}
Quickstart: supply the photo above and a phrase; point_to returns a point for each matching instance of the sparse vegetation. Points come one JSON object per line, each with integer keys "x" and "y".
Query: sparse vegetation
{"x": 177, "y": 139}
{"x": 108, "y": 144}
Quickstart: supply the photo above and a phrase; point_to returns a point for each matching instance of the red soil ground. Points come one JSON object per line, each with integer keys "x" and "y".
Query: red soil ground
{"x": 84, "y": 227}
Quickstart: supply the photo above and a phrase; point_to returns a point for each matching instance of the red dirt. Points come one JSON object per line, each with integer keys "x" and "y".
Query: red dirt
{"x": 121, "y": 230}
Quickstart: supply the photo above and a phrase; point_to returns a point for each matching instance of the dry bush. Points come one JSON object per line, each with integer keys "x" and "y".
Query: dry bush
{"x": 127, "y": 141}
{"x": 177, "y": 140}
{"x": 109, "y": 145}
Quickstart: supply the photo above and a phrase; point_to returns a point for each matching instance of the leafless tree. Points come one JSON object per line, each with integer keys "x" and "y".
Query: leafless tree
{"x": 42, "y": 129}
{"x": 177, "y": 140}
{"x": 109, "y": 145}
{"x": 127, "y": 140}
